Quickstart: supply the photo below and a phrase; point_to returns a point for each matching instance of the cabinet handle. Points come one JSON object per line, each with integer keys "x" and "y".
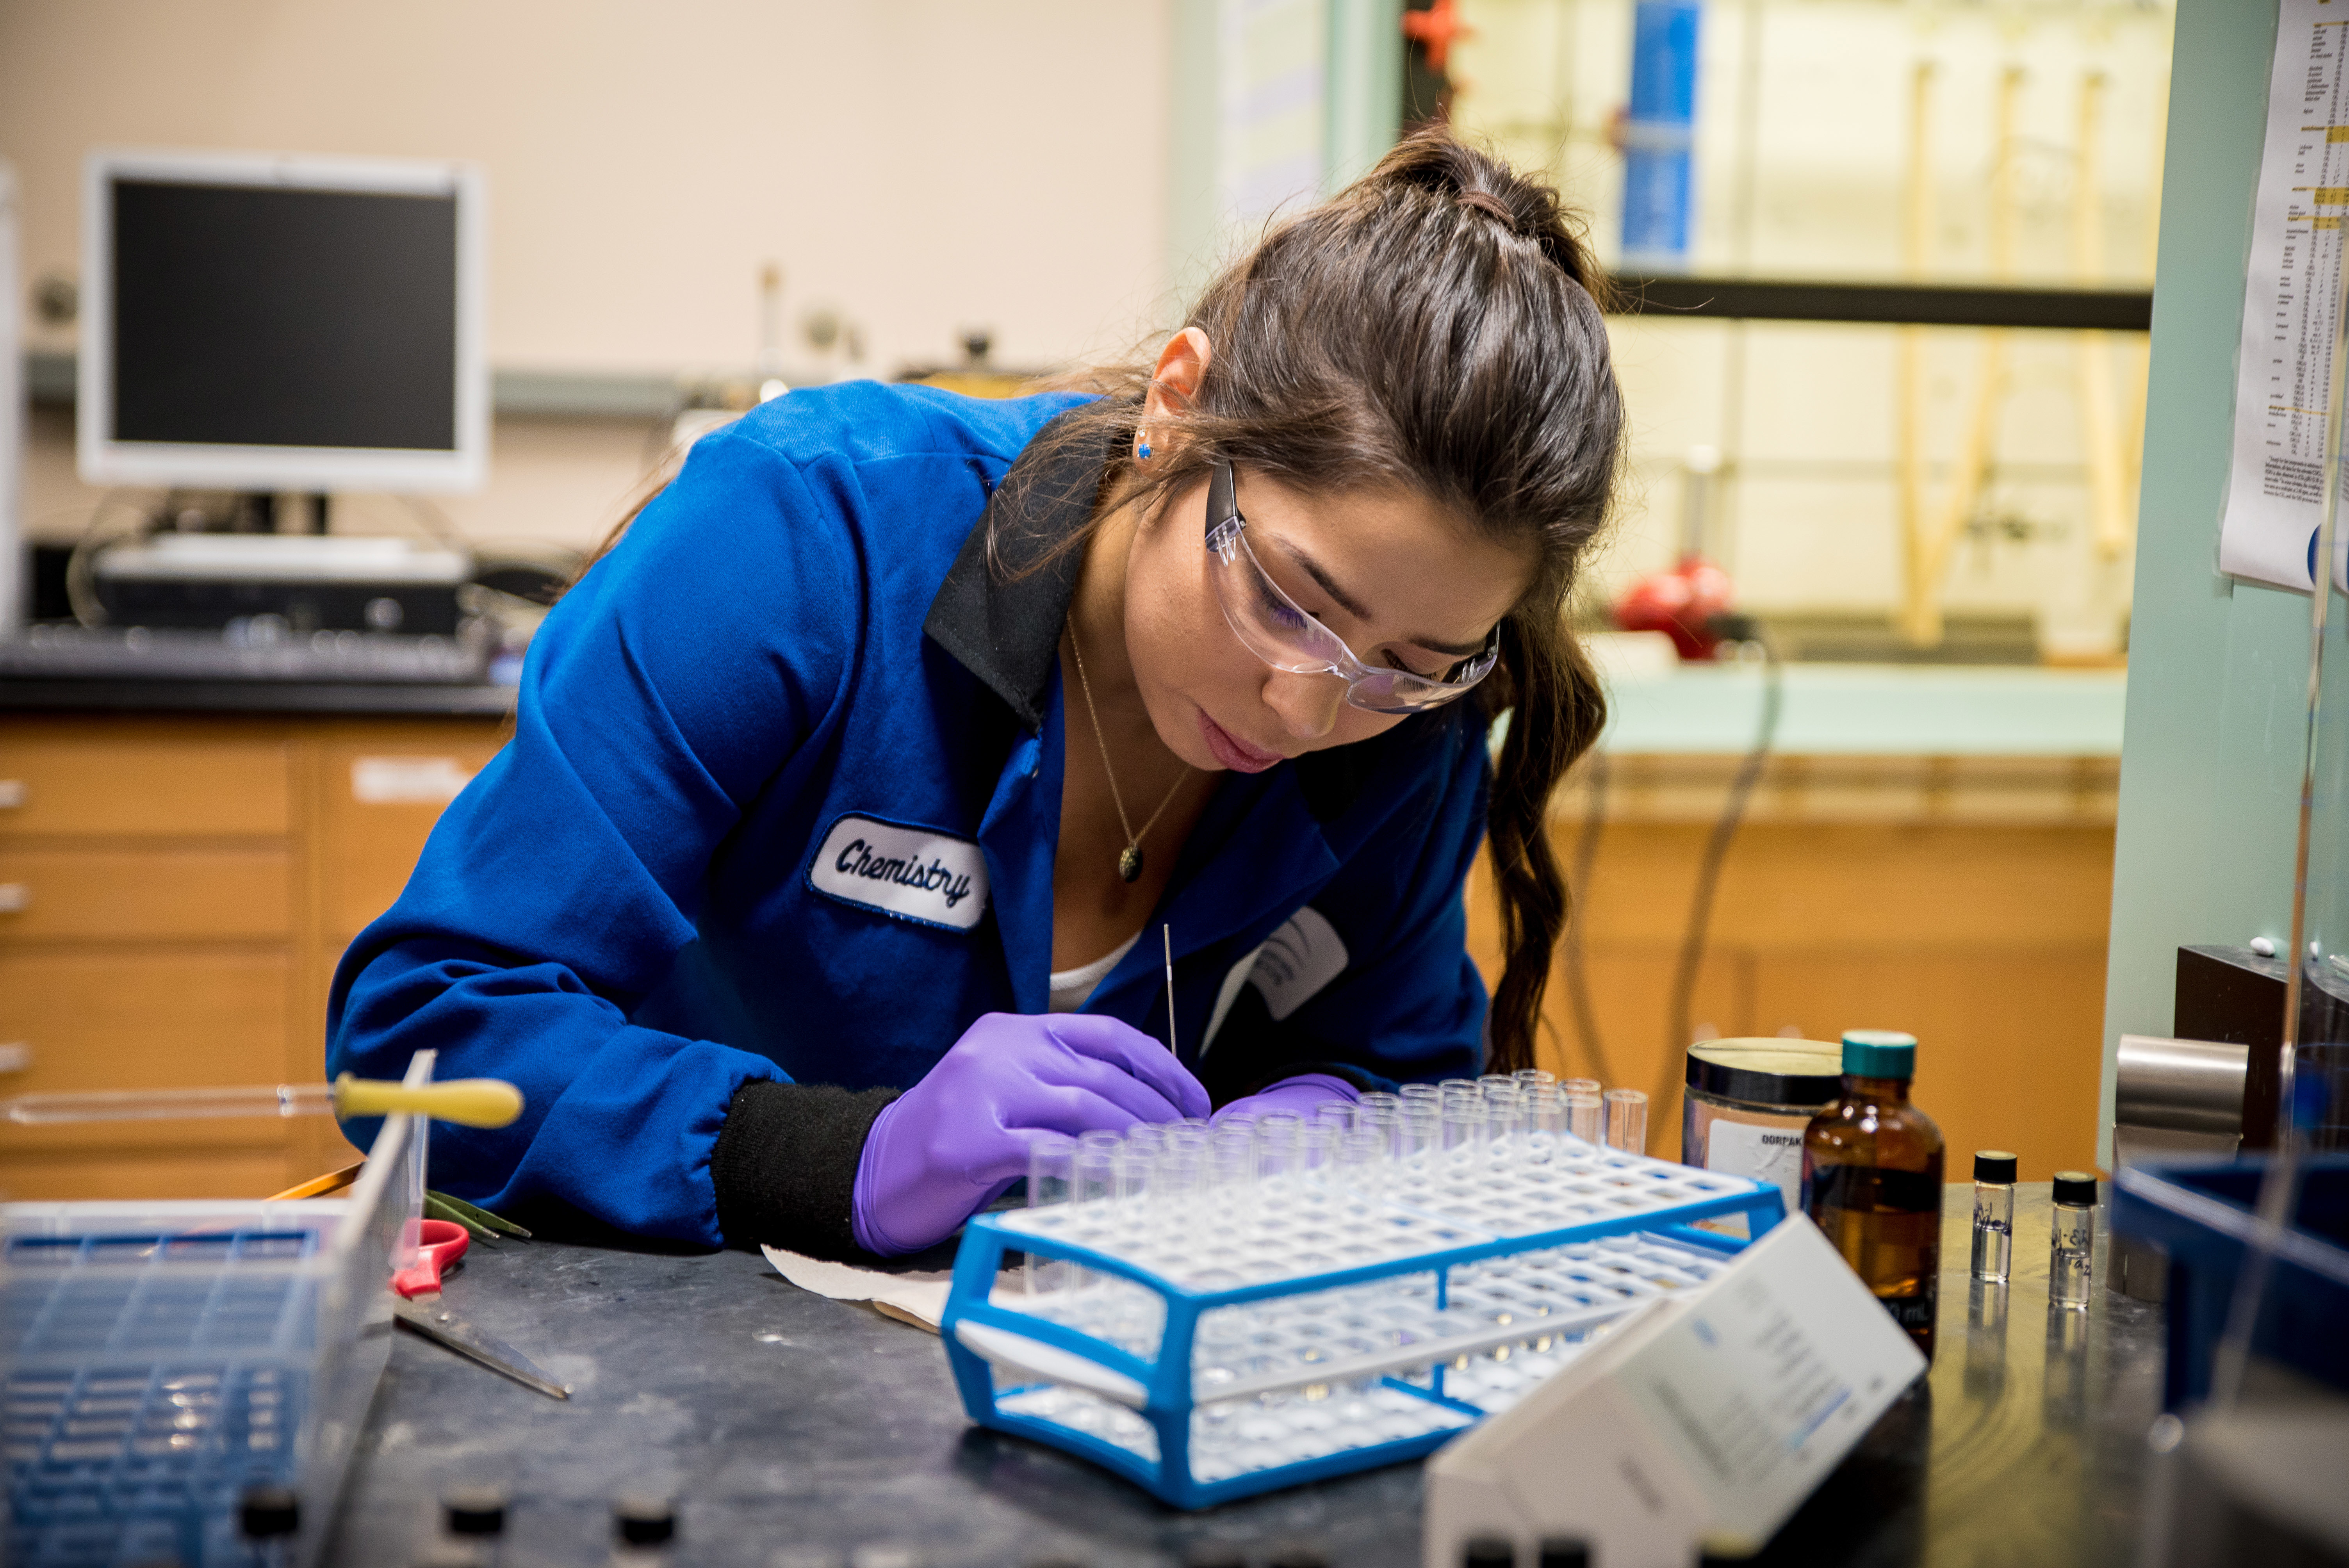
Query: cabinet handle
{"x": 16, "y": 1057}
{"x": 12, "y": 793}
{"x": 16, "y": 898}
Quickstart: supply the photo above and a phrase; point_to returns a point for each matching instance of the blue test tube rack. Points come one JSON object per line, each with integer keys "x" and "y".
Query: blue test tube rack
{"x": 1451, "y": 1280}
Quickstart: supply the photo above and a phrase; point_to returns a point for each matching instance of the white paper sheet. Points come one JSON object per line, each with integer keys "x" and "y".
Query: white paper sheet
{"x": 2283, "y": 373}
{"x": 1715, "y": 1412}
{"x": 915, "y": 1297}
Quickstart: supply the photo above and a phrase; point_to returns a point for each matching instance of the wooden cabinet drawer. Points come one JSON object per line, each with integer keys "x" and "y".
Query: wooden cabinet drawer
{"x": 143, "y": 1176}
{"x": 145, "y": 786}
{"x": 382, "y": 797}
{"x": 215, "y": 894}
{"x": 79, "y": 1021}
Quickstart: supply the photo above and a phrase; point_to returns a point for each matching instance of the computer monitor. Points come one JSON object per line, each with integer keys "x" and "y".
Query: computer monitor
{"x": 262, "y": 323}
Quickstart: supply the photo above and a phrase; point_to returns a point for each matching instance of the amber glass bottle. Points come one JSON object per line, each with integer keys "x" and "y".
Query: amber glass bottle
{"x": 1872, "y": 1179}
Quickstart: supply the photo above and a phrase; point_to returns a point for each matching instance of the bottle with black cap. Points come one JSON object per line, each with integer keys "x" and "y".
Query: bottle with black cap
{"x": 269, "y": 1517}
{"x": 1564, "y": 1552}
{"x": 2072, "y": 1239}
{"x": 1994, "y": 1215}
{"x": 1489, "y": 1551}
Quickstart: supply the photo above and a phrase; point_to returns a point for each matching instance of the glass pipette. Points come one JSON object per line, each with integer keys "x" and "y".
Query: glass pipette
{"x": 470, "y": 1102}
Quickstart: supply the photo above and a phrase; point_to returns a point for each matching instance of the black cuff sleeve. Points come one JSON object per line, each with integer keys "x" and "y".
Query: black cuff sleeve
{"x": 785, "y": 1165}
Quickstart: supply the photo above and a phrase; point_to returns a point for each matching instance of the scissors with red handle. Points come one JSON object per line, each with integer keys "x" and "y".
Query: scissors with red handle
{"x": 439, "y": 1245}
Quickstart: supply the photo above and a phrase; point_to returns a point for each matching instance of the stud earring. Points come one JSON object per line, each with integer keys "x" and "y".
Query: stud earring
{"x": 1142, "y": 452}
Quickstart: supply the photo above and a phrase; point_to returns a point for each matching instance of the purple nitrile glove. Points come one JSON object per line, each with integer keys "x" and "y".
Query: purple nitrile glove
{"x": 1297, "y": 1095}
{"x": 950, "y": 1145}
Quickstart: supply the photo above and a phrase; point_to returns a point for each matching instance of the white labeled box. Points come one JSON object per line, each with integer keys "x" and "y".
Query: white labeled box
{"x": 1705, "y": 1416}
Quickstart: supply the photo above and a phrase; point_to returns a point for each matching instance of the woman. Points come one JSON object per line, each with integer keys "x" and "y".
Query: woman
{"x": 857, "y": 793}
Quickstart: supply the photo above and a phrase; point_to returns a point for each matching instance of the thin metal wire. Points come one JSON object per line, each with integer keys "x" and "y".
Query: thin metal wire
{"x": 1586, "y": 862}
{"x": 1708, "y": 877}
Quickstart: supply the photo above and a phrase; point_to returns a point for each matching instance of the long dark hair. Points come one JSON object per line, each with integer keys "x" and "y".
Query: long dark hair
{"x": 1434, "y": 327}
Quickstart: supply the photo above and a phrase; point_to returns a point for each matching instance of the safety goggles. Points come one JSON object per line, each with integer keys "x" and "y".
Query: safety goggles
{"x": 1270, "y": 624}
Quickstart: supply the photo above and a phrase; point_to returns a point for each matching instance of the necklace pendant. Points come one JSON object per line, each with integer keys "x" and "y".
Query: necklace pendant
{"x": 1129, "y": 862}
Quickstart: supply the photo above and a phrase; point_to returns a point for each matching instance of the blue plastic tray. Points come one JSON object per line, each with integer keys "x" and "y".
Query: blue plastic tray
{"x": 1352, "y": 1333}
{"x": 160, "y": 1375}
{"x": 2199, "y": 1215}
{"x": 163, "y": 1357}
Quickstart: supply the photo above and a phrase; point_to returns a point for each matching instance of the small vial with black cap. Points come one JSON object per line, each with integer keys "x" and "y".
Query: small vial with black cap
{"x": 1489, "y": 1551}
{"x": 2072, "y": 1239}
{"x": 643, "y": 1524}
{"x": 269, "y": 1517}
{"x": 1994, "y": 1215}
{"x": 1564, "y": 1552}
{"x": 475, "y": 1517}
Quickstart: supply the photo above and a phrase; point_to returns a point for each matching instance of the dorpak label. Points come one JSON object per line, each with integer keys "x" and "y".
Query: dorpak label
{"x": 915, "y": 873}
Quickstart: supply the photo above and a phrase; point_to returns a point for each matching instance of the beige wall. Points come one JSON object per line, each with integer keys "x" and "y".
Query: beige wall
{"x": 920, "y": 165}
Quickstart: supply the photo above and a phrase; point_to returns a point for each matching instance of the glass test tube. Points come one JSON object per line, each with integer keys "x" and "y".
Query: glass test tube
{"x": 1533, "y": 1077}
{"x": 1052, "y": 1166}
{"x": 1546, "y": 1122}
{"x": 1586, "y": 1118}
{"x": 2071, "y": 1239}
{"x": 1175, "y": 1185}
{"x": 1135, "y": 1164}
{"x": 1363, "y": 1163}
{"x": 1095, "y": 1176}
{"x": 1186, "y": 1136}
{"x": 1275, "y": 1146}
{"x": 1505, "y": 1124}
{"x": 1231, "y": 1164}
{"x": 1337, "y": 1113}
{"x": 1994, "y": 1215}
{"x": 1502, "y": 1083}
{"x": 1052, "y": 1175}
{"x": 1462, "y": 1132}
{"x": 1626, "y": 1120}
{"x": 1591, "y": 1087}
{"x": 1419, "y": 1134}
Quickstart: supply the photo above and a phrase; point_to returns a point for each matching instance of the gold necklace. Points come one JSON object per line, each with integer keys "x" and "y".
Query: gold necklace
{"x": 1129, "y": 859}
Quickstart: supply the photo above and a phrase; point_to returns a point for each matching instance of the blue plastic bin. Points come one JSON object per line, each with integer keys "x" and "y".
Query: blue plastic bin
{"x": 2199, "y": 1215}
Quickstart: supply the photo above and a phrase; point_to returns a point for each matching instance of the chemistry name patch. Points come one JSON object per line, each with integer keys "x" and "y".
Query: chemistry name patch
{"x": 915, "y": 873}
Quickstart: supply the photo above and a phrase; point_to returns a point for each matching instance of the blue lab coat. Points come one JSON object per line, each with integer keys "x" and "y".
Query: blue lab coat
{"x": 783, "y": 800}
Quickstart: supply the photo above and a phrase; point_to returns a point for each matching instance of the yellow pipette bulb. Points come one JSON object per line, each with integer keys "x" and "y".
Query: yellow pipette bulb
{"x": 468, "y": 1102}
